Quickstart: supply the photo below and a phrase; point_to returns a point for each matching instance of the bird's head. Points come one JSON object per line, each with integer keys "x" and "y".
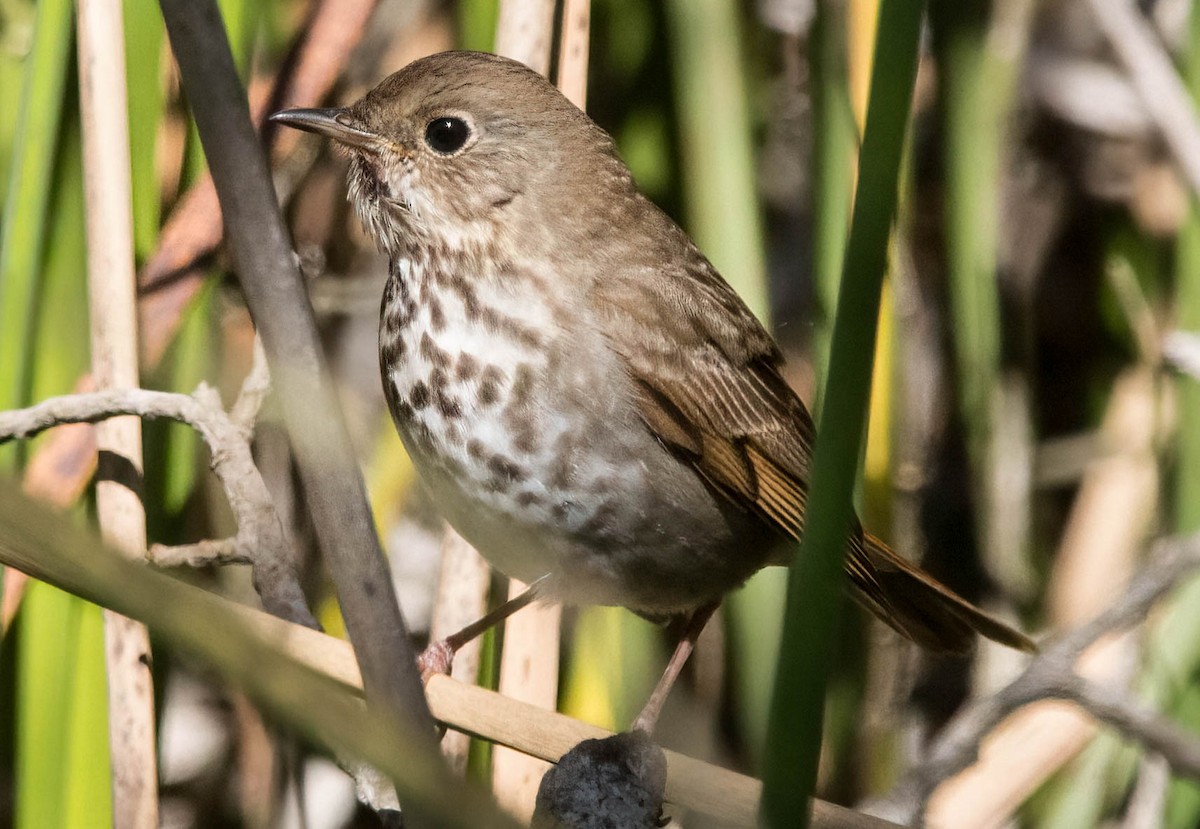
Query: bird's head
{"x": 456, "y": 144}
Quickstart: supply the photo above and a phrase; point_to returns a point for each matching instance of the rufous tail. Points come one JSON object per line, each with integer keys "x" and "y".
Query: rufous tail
{"x": 918, "y": 606}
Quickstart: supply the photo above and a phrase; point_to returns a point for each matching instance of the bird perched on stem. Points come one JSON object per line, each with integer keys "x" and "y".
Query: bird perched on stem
{"x": 587, "y": 400}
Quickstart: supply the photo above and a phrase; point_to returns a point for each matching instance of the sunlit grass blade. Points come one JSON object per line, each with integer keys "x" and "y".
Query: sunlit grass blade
{"x": 1174, "y": 653}
{"x": 59, "y": 344}
{"x": 14, "y": 53}
{"x": 614, "y": 660}
{"x": 721, "y": 206}
{"x": 835, "y": 148}
{"x": 62, "y": 774}
{"x": 23, "y": 223}
{"x": 816, "y": 582}
{"x": 477, "y": 24}
{"x": 143, "y": 49}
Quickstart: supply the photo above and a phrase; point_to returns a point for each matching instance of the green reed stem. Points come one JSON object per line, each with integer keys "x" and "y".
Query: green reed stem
{"x": 816, "y": 582}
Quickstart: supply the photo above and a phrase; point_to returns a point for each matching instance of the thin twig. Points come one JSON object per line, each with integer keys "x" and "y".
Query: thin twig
{"x": 1051, "y": 675}
{"x": 255, "y": 388}
{"x": 260, "y": 540}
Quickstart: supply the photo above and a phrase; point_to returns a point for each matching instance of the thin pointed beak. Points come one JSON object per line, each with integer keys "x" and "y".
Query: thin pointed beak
{"x": 333, "y": 123}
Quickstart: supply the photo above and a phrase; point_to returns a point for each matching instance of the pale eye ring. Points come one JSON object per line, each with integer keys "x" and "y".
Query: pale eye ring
{"x": 447, "y": 134}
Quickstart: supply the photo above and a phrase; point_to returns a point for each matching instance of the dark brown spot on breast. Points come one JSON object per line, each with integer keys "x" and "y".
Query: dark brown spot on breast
{"x": 601, "y": 519}
{"x": 418, "y": 396}
{"x": 455, "y": 282}
{"x": 510, "y": 327}
{"x": 524, "y": 435}
{"x": 505, "y": 470}
{"x": 431, "y": 352}
{"x": 467, "y": 367}
{"x": 526, "y": 499}
{"x": 475, "y": 449}
{"x": 437, "y": 317}
{"x": 522, "y": 387}
{"x": 447, "y": 405}
{"x": 489, "y": 385}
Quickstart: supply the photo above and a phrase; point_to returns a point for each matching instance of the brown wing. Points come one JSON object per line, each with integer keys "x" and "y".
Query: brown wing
{"x": 709, "y": 385}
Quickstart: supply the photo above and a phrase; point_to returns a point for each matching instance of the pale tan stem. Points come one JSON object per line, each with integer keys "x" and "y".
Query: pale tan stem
{"x": 528, "y": 673}
{"x": 113, "y": 308}
{"x": 525, "y": 31}
{"x": 573, "y": 51}
{"x": 731, "y": 798}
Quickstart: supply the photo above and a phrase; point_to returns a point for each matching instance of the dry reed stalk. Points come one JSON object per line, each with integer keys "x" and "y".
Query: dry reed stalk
{"x": 113, "y": 310}
{"x": 729, "y": 797}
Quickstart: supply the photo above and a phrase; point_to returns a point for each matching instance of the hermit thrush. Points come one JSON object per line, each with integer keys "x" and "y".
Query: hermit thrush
{"x": 589, "y": 403}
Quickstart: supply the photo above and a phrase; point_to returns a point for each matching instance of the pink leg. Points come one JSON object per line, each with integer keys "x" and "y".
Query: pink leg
{"x": 648, "y": 718}
{"x": 436, "y": 658}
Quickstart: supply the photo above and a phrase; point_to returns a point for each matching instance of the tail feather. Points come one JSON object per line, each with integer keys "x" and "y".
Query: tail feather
{"x": 919, "y": 607}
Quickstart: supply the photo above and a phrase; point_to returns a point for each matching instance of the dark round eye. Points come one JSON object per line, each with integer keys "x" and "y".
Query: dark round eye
{"x": 447, "y": 135}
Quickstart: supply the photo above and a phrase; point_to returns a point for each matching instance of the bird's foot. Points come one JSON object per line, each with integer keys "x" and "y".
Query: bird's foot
{"x": 435, "y": 659}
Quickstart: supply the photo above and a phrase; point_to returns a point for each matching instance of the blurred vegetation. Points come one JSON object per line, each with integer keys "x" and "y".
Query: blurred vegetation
{"x": 1002, "y": 333}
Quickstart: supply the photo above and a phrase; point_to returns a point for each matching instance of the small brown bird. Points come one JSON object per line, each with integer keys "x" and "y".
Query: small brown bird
{"x": 587, "y": 400}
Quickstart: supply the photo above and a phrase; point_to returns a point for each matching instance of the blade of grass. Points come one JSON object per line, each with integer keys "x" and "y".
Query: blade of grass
{"x": 477, "y": 24}
{"x": 68, "y": 761}
{"x": 23, "y": 225}
{"x": 721, "y": 211}
{"x": 816, "y": 582}
{"x": 1174, "y": 653}
{"x": 62, "y": 726}
{"x": 47, "y": 651}
{"x": 88, "y": 795}
{"x": 143, "y": 52}
{"x": 16, "y": 26}
{"x": 979, "y": 47}
{"x": 835, "y": 146}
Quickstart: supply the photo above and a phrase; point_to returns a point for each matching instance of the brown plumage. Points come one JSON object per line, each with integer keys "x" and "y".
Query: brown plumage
{"x": 592, "y": 406}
